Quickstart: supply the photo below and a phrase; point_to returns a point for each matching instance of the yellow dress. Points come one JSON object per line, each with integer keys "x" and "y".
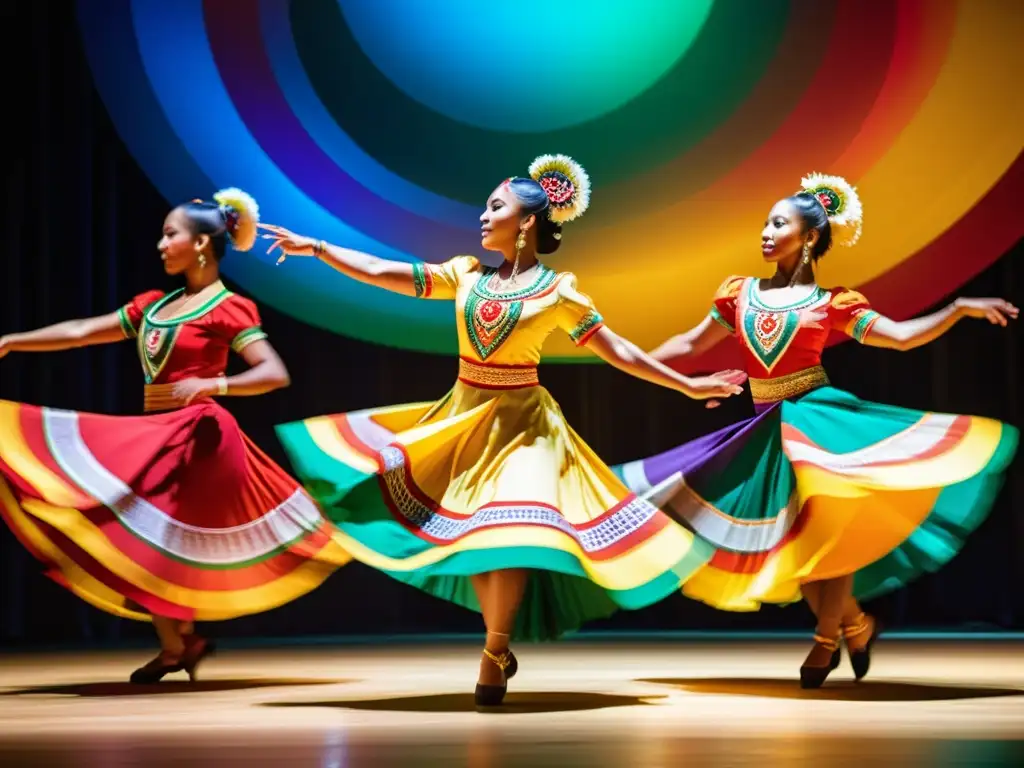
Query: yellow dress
{"x": 491, "y": 476}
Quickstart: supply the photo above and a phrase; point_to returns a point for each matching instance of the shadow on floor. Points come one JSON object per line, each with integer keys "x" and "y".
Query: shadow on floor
{"x": 515, "y": 702}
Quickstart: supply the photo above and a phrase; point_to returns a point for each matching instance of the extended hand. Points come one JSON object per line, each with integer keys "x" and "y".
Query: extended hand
{"x": 187, "y": 390}
{"x": 996, "y": 311}
{"x": 720, "y": 385}
{"x": 290, "y": 243}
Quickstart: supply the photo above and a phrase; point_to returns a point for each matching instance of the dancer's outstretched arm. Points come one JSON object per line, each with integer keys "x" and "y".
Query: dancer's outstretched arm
{"x": 907, "y": 334}
{"x": 692, "y": 343}
{"x": 578, "y": 316}
{"x": 629, "y": 358}
{"x": 84, "y": 332}
{"x": 396, "y": 276}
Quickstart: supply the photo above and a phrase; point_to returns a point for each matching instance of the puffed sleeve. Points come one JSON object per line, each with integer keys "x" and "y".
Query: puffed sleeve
{"x": 723, "y": 306}
{"x": 441, "y": 281}
{"x": 130, "y": 315}
{"x": 238, "y": 321}
{"x": 577, "y": 315}
{"x": 851, "y": 313}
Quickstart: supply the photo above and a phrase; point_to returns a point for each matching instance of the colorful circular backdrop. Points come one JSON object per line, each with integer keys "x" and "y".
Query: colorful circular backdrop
{"x": 383, "y": 126}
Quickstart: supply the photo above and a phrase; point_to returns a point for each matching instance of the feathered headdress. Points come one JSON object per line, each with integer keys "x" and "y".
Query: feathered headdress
{"x": 566, "y": 184}
{"x": 241, "y": 215}
{"x": 841, "y": 202}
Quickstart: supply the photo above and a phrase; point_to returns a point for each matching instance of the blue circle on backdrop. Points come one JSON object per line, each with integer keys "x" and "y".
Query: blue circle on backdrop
{"x": 516, "y": 67}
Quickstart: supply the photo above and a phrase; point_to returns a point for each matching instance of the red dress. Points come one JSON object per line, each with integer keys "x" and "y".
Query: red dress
{"x": 176, "y": 512}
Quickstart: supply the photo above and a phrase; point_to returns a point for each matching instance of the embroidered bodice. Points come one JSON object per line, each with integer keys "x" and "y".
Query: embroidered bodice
{"x": 781, "y": 340}
{"x": 507, "y": 328}
{"x": 189, "y": 343}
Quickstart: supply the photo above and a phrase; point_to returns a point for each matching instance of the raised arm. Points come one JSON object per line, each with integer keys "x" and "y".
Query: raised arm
{"x": 854, "y": 315}
{"x": 396, "y": 276}
{"x": 104, "y": 329}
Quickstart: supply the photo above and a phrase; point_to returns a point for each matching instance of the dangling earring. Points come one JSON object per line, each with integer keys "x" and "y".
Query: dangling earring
{"x": 520, "y": 244}
{"x": 202, "y": 261}
{"x": 805, "y": 261}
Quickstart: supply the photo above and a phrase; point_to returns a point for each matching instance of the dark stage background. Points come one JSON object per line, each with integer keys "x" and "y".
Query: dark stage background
{"x": 80, "y": 224}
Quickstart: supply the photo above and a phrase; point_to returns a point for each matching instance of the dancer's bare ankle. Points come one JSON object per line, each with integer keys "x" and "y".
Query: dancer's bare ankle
{"x": 496, "y": 641}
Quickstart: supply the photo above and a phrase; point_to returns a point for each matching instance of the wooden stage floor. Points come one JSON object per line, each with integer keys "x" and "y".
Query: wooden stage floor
{"x": 572, "y": 704}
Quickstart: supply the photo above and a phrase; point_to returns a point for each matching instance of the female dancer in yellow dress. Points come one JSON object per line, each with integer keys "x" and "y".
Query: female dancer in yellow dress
{"x": 821, "y": 493}
{"x": 173, "y": 516}
{"x": 487, "y": 497}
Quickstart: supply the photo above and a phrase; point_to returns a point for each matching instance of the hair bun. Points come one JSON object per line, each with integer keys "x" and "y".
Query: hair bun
{"x": 566, "y": 184}
{"x": 842, "y": 205}
{"x": 241, "y": 215}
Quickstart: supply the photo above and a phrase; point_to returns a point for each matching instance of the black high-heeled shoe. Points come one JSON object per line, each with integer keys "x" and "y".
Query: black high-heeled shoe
{"x": 494, "y": 695}
{"x": 860, "y": 659}
{"x": 155, "y": 670}
{"x": 814, "y": 677}
{"x": 196, "y": 649}
{"x": 513, "y": 665}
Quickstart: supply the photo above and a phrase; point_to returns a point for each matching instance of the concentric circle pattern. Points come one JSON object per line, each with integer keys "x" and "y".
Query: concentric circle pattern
{"x": 383, "y": 126}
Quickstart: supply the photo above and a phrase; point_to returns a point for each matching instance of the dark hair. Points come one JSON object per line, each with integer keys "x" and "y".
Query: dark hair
{"x": 210, "y": 219}
{"x": 813, "y": 215}
{"x": 534, "y": 199}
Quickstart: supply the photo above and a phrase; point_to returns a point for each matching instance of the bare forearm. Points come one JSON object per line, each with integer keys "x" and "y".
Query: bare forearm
{"x": 691, "y": 344}
{"x": 629, "y": 358}
{"x": 261, "y": 378}
{"x": 908, "y": 334}
{"x": 678, "y": 347}
{"x": 390, "y": 275}
{"x": 66, "y": 335}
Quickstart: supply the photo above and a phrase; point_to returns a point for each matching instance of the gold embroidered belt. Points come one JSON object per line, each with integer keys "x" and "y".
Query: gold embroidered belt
{"x": 491, "y": 376}
{"x": 159, "y": 397}
{"x": 790, "y": 385}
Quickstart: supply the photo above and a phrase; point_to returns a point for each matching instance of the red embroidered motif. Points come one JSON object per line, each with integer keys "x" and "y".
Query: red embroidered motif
{"x": 153, "y": 341}
{"x": 490, "y": 311}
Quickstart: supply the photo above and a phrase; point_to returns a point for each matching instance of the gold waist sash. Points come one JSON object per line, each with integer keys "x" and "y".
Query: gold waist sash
{"x": 490, "y": 376}
{"x": 790, "y": 385}
{"x": 159, "y": 397}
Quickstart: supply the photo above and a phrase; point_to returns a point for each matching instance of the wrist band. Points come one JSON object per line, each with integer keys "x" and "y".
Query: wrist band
{"x": 222, "y": 385}
{"x": 319, "y": 249}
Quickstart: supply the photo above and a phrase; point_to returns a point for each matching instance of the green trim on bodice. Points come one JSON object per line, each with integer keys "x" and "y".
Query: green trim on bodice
{"x": 770, "y": 330}
{"x": 491, "y": 317}
{"x": 156, "y": 337}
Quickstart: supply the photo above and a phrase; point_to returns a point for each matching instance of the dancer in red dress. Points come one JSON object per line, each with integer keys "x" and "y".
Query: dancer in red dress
{"x": 174, "y": 516}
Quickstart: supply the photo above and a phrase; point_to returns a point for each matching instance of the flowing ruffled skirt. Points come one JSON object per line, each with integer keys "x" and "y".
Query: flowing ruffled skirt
{"x": 176, "y": 514}
{"x": 827, "y": 485}
{"x": 482, "y": 480}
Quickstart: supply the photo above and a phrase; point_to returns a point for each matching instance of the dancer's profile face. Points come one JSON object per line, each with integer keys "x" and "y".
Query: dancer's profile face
{"x": 501, "y": 220}
{"x": 178, "y": 247}
{"x": 783, "y": 236}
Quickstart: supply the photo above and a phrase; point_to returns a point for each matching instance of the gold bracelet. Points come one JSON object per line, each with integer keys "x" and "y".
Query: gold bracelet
{"x": 222, "y": 385}
{"x": 319, "y": 249}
